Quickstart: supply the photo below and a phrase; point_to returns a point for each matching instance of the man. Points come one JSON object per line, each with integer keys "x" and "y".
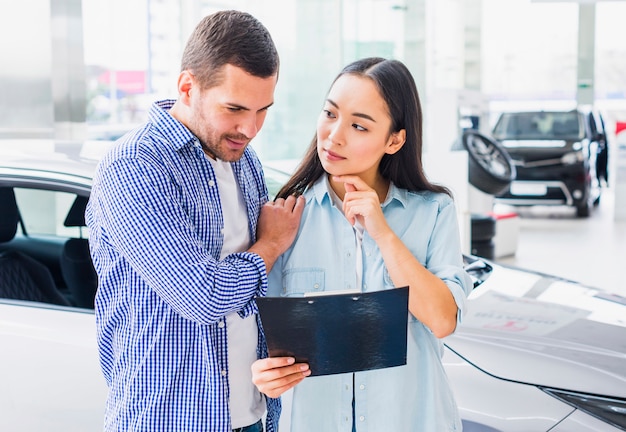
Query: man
{"x": 182, "y": 238}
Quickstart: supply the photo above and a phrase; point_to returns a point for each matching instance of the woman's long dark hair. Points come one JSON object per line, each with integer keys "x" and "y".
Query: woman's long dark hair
{"x": 404, "y": 168}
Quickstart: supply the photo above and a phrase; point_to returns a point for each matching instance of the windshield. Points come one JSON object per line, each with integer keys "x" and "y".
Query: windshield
{"x": 539, "y": 125}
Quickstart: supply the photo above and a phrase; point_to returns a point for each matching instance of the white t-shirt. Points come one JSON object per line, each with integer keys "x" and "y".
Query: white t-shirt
{"x": 247, "y": 404}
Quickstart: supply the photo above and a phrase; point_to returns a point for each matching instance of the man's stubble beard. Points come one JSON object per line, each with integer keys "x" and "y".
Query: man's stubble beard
{"x": 210, "y": 142}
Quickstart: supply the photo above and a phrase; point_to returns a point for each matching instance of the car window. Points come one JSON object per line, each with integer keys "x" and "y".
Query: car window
{"x": 43, "y": 212}
{"x": 593, "y": 127}
{"x": 601, "y": 126}
{"x": 539, "y": 125}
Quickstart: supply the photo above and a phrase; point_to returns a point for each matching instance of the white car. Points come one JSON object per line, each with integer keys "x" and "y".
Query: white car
{"x": 534, "y": 352}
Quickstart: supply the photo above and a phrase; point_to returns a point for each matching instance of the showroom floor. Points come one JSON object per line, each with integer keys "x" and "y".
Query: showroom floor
{"x": 592, "y": 250}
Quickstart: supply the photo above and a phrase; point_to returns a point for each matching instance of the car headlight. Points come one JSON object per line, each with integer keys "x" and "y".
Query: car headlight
{"x": 572, "y": 158}
{"x": 607, "y": 409}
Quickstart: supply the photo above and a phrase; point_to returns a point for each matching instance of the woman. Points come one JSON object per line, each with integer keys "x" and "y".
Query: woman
{"x": 373, "y": 221}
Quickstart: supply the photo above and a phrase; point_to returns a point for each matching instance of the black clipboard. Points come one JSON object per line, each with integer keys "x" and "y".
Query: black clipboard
{"x": 338, "y": 333}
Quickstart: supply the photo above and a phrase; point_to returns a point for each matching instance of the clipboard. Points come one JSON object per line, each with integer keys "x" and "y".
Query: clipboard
{"x": 338, "y": 333}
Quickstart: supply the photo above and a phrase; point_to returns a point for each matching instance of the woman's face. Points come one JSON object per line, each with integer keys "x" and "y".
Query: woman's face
{"x": 353, "y": 129}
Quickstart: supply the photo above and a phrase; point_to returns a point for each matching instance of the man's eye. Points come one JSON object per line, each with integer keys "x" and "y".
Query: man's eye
{"x": 234, "y": 109}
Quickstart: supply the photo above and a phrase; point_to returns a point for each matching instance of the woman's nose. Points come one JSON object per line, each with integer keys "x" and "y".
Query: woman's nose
{"x": 335, "y": 133}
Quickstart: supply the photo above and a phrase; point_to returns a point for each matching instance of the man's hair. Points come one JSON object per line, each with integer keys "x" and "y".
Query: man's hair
{"x": 229, "y": 37}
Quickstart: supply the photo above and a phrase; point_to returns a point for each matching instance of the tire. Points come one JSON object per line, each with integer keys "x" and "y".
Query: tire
{"x": 491, "y": 168}
{"x": 583, "y": 210}
{"x": 484, "y": 249}
{"x": 483, "y": 227}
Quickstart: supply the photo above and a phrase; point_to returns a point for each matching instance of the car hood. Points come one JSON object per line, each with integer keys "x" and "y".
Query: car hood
{"x": 546, "y": 331}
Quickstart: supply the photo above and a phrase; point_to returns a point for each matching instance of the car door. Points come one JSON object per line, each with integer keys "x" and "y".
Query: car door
{"x": 50, "y": 379}
{"x": 49, "y": 370}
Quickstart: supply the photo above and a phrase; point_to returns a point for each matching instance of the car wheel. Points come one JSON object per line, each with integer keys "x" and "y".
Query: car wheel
{"x": 484, "y": 249}
{"x": 583, "y": 209}
{"x": 483, "y": 227}
{"x": 491, "y": 168}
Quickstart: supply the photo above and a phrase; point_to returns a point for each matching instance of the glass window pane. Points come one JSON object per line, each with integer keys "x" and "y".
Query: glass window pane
{"x": 43, "y": 212}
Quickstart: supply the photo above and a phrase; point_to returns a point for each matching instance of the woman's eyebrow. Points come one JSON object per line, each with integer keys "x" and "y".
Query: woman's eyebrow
{"x": 356, "y": 114}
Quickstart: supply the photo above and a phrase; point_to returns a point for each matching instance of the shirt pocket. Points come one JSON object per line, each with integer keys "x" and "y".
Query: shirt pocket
{"x": 298, "y": 281}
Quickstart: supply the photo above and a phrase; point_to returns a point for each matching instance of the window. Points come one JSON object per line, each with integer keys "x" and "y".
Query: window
{"x": 43, "y": 212}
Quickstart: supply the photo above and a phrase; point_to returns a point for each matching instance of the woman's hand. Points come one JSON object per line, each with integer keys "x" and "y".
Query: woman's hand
{"x": 275, "y": 375}
{"x": 361, "y": 203}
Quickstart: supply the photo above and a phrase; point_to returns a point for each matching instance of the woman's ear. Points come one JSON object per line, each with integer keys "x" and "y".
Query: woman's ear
{"x": 396, "y": 141}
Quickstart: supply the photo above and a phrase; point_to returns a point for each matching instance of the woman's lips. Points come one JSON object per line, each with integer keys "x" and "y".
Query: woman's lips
{"x": 333, "y": 156}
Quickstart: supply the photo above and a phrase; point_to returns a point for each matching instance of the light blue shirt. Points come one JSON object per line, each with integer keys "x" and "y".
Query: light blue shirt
{"x": 414, "y": 397}
{"x": 156, "y": 235}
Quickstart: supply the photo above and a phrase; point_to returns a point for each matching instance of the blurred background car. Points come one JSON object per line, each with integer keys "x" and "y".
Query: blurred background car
{"x": 561, "y": 158}
{"x": 534, "y": 352}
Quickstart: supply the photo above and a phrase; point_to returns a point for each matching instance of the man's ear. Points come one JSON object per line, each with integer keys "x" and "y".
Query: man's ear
{"x": 396, "y": 141}
{"x": 186, "y": 82}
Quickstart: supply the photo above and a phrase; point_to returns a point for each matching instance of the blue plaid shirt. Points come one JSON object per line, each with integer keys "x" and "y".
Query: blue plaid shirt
{"x": 155, "y": 231}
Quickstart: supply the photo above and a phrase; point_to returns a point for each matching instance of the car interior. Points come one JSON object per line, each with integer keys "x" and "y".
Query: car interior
{"x": 75, "y": 260}
{"x": 43, "y": 268}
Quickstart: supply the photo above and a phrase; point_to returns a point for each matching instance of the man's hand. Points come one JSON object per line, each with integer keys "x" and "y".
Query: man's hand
{"x": 274, "y": 376}
{"x": 277, "y": 228}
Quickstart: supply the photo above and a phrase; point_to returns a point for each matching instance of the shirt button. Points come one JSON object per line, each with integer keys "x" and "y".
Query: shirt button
{"x": 316, "y": 286}
{"x": 347, "y": 387}
{"x": 348, "y": 254}
{"x": 362, "y": 386}
{"x": 362, "y": 418}
{"x": 211, "y": 183}
{"x": 224, "y": 372}
{"x": 220, "y": 324}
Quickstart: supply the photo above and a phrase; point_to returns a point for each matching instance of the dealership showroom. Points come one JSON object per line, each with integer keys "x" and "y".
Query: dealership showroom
{"x": 523, "y": 121}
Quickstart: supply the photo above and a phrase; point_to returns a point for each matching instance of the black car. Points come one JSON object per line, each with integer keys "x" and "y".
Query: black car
{"x": 561, "y": 158}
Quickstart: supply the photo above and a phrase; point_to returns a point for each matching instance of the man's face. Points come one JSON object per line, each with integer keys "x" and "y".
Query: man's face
{"x": 226, "y": 117}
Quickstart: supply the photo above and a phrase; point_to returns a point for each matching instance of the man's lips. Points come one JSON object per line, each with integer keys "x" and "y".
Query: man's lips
{"x": 236, "y": 143}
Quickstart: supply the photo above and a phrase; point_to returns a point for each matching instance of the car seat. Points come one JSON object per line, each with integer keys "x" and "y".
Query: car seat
{"x": 76, "y": 265}
{"x": 22, "y": 277}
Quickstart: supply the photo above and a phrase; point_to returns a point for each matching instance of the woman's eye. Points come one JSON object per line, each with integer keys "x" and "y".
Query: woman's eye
{"x": 329, "y": 114}
{"x": 358, "y": 127}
